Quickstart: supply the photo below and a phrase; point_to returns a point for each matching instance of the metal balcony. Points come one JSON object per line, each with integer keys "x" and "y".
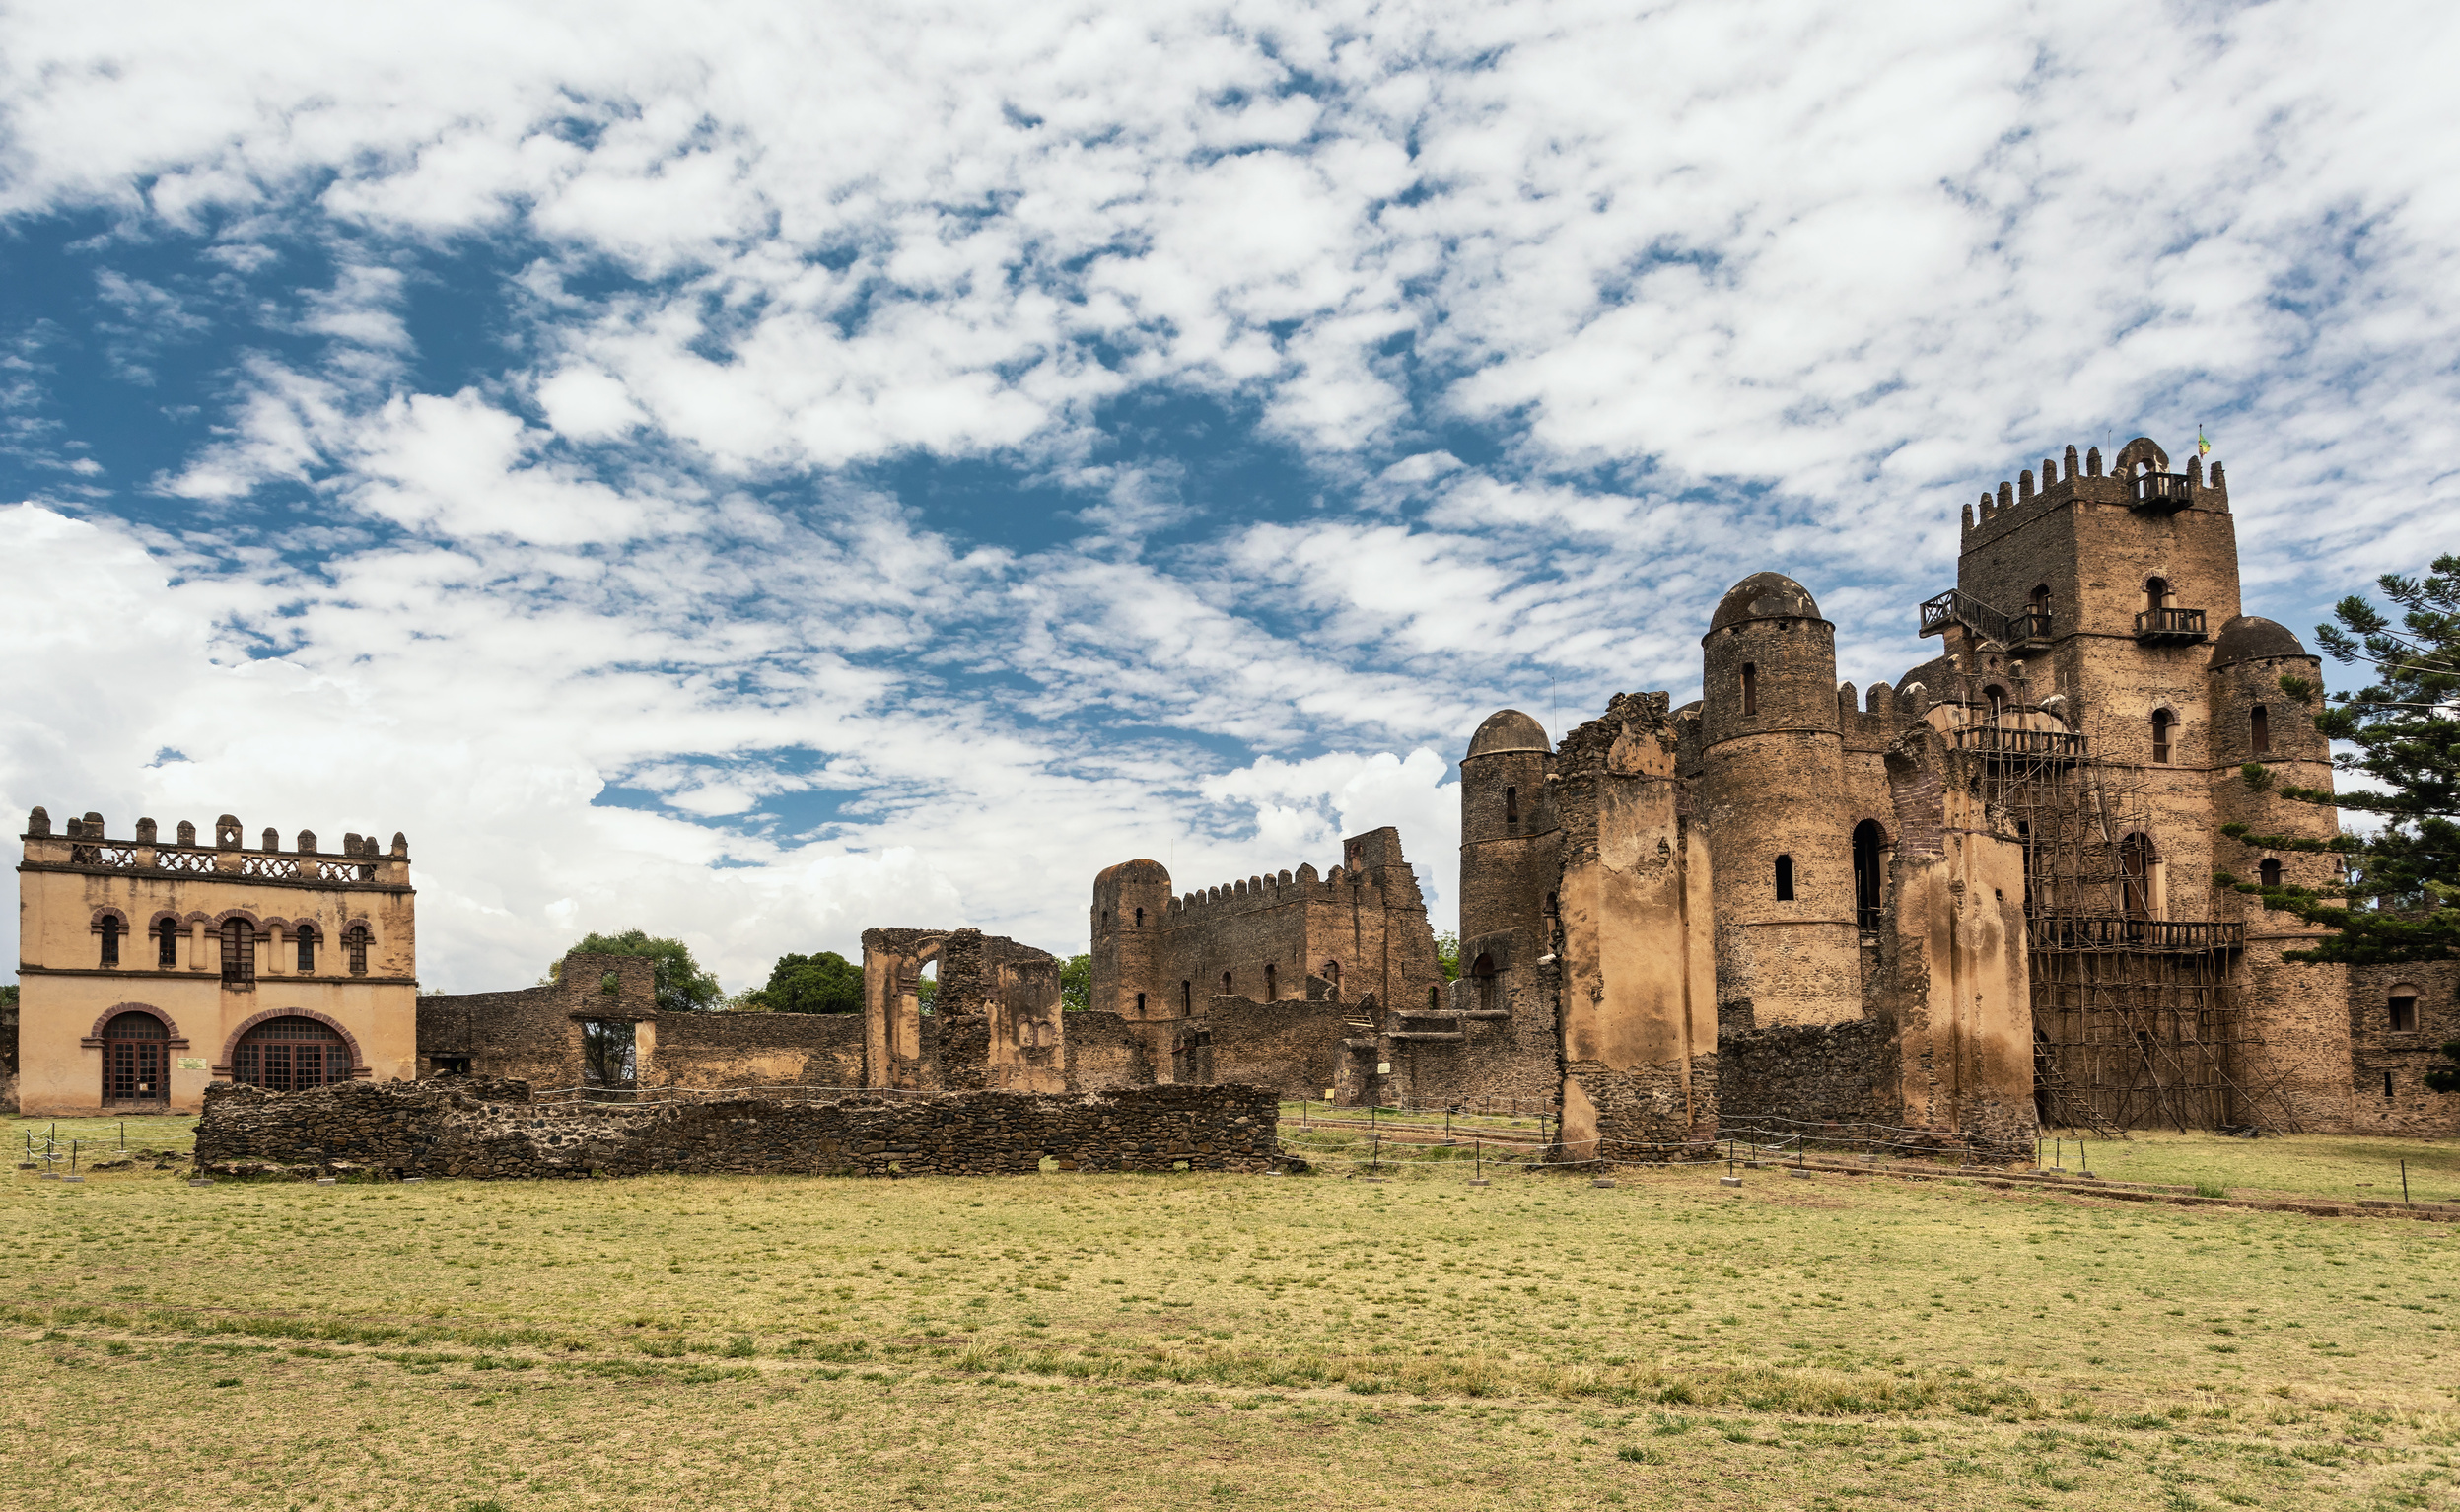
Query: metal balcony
{"x": 2169, "y": 627}
{"x": 2161, "y": 493}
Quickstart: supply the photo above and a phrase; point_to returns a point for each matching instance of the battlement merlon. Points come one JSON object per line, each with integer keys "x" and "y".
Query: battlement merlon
{"x": 83, "y": 842}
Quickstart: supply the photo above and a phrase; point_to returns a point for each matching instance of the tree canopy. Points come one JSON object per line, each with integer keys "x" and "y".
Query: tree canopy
{"x": 825, "y": 983}
{"x": 1076, "y": 984}
{"x": 1447, "y": 956}
{"x": 682, "y": 986}
{"x": 2399, "y": 884}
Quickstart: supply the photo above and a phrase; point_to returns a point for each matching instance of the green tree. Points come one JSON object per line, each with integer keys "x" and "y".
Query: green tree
{"x": 1076, "y": 984}
{"x": 827, "y": 983}
{"x": 682, "y": 986}
{"x": 2395, "y": 900}
{"x": 1448, "y": 954}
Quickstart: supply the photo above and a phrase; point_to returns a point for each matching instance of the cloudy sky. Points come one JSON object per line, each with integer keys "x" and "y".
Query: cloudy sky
{"x": 759, "y": 471}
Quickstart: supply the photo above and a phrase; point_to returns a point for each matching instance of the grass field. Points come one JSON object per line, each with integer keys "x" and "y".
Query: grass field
{"x": 1213, "y": 1342}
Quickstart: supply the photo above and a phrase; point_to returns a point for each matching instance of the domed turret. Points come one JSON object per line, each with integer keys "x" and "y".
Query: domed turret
{"x": 1508, "y": 730}
{"x": 1131, "y": 902}
{"x": 1507, "y": 827}
{"x": 1764, "y": 596}
{"x": 2252, "y": 637}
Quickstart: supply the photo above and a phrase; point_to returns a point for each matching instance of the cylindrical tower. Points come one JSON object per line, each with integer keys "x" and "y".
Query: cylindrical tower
{"x": 1507, "y": 829}
{"x": 2302, "y": 1044}
{"x": 1131, "y": 904}
{"x": 1780, "y": 839}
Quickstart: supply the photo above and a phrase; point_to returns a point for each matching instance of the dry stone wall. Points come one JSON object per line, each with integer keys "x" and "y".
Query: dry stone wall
{"x": 491, "y": 1130}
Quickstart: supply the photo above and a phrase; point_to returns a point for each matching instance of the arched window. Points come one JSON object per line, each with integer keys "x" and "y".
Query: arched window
{"x": 2158, "y": 594}
{"x": 1867, "y": 840}
{"x": 2040, "y": 605}
{"x": 238, "y": 951}
{"x": 1272, "y": 983}
{"x": 289, "y": 1055}
{"x": 1511, "y": 805}
{"x": 2404, "y": 1006}
{"x": 1785, "y": 879}
{"x": 166, "y": 934}
{"x": 2259, "y": 730}
{"x": 1482, "y": 971}
{"x": 135, "y": 1056}
{"x": 1140, "y": 919}
{"x": 110, "y": 940}
{"x": 1226, "y": 983}
{"x": 2138, "y": 861}
{"x": 2162, "y": 722}
{"x": 2268, "y": 872}
{"x": 1435, "y": 999}
{"x": 307, "y": 937}
{"x": 355, "y": 946}
{"x": 1750, "y": 687}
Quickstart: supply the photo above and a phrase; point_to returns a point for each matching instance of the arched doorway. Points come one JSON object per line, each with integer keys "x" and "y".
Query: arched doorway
{"x": 290, "y": 1055}
{"x": 136, "y": 1051}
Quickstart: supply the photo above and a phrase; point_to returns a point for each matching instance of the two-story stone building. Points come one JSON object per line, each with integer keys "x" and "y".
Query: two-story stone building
{"x": 149, "y": 968}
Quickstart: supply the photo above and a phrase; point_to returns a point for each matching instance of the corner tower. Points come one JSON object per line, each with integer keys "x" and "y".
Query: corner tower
{"x": 1507, "y": 829}
{"x": 1131, "y": 902}
{"x": 1773, "y": 775}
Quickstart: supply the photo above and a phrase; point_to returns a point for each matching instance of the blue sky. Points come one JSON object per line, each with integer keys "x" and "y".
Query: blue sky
{"x": 761, "y": 473}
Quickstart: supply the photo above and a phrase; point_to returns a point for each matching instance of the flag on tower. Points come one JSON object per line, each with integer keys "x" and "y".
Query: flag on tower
{"x": 2203, "y": 446}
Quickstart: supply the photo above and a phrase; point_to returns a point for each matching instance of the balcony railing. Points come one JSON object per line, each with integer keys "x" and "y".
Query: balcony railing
{"x": 2162, "y": 491}
{"x": 1993, "y": 741}
{"x": 2110, "y": 931}
{"x": 2170, "y": 625}
{"x": 1959, "y": 607}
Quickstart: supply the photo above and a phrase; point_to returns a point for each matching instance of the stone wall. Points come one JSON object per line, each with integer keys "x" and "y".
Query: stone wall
{"x": 2378, "y": 1051}
{"x": 1813, "y": 1072}
{"x": 1106, "y": 1053}
{"x": 1294, "y": 1048}
{"x": 490, "y": 1129}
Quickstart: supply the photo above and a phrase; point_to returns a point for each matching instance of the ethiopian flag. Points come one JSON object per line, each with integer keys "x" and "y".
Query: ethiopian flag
{"x": 2203, "y": 446}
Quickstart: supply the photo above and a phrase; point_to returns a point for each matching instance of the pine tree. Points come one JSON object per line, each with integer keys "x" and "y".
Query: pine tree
{"x": 2399, "y": 896}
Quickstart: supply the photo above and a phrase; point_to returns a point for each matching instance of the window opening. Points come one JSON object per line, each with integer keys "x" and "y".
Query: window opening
{"x": 2162, "y": 720}
{"x": 238, "y": 951}
{"x": 1187, "y": 999}
{"x": 1511, "y": 805}
{"x": 2040, "y": 610}
{"x": 1750, "y": 687}
{"x": 1139, "y": 1005}
{"x": 1482, "y": 971}
{"x": 111, "y": 940}
{"x": 135, "y": 1059}
{"x": 1435, "y": 999}
{"x": 1140, "y": 919}
{"x": 451, "y": 1065}
{"x": 1785, "y": 879}
{"x": 1867, "y": 842}
{"x": 355, "y": 945}
{"x": 290, "y": 1055}
{"x": 167, "y": 943}
{"x": 1271, "y": 984}
{"x": 2136, "y": 860}
{"x": 1226, "y": 983}
{"x": 1998, "y": 697}
{"x": 2259, "y": 730}
{"x": 2387, "y": 1084}
{"x": 307, "y": 949}
{"x": 2268, "y": 872}
{"x": 609, "y": 1053}
{"x": 2403, "y": 1005}
{"x": 2158, "y": 594}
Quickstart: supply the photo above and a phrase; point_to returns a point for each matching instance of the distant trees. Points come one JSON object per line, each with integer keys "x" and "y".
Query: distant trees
{"x": 682, "y": 986}
{"x": 824, "y": 982}
{"x": 2397, "y": 890}
{"x": 1448, "y": 954}
{"x": 1076, "y": 984}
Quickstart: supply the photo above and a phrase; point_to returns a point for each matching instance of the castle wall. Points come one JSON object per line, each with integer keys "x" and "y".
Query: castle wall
{"x": 1637, "y": 1008}
{"x": 2378, "y": 1051}
{"x": 492, "y": 1131}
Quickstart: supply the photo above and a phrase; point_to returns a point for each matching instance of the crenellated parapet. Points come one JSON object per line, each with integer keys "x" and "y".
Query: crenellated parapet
{"x": 1273, "y": 890}
{"x": 2140, "y": 478}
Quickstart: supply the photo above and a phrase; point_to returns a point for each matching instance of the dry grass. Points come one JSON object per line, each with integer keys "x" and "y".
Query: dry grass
{"x": 2343, "y": 1166}
{"x": 1236, "y": 1341}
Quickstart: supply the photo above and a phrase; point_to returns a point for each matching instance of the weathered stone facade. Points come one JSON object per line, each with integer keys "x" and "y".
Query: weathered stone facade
{"x": 152, "y": 966}
{"x": 491, "y": 1128}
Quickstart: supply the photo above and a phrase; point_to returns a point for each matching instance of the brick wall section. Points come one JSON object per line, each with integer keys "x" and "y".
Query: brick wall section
{"x": 2375, "y": 1049}
{"x": 737, "y": 1050}
{"x": 1294, "y": 1048}
{"x": 490, "y": 1129}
